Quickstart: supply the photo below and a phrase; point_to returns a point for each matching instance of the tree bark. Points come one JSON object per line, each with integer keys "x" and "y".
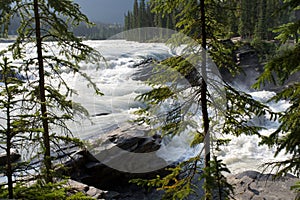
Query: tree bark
{"x": 8, "y": 136}
{"x": 203, "y": 91}
{"x": 46, "y": 138}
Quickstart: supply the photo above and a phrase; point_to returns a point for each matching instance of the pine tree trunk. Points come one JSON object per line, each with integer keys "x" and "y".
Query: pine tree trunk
{"x": 8, "y": 139}
{"x": 9, "y": 167}
{"x": 46, "y": 138}
{"x": 203, "y": 89}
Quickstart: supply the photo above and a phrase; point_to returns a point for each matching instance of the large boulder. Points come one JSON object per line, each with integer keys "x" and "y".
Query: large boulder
{"x": 14, "y": 156}
{"x": 109, "y": 163}
{"x": 250, "y": 65}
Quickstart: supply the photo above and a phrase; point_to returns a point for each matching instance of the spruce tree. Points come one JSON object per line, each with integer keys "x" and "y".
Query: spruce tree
{"x": 136, "y": 19}
{"x": 142, "y": 14}
{"x": 261, "y": 26}
{"x": 279, "y": 70}
{"x": 41, "y": 24}
{"x": 199, "y": 21}
{"x": 247, "y": 18}
{"x": 15, "y": 122}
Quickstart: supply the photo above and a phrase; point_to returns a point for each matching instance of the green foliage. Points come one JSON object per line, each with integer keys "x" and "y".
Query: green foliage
{"x": 15, "y": 126}
{"x": 241, "y": 108}
{"x": 182, "y": 181}
{"x": 198, "y": 139}
{"x": 79, "y": 196}
{"x": 288, "y": 31}
{"x": 47, "y": 98}
{"x": 216, "y": 182}
{"x": 281, "y": 67}
{"x": 235, "y": 118}
{"x": 156, "y": 95}
{"x": 259, "y": 17}
{"x": 141, "y": 16}
{"x": 296, "y": 187}
{"x": 249, "y": 19}
{"x": 285, "y": 138}
{"x": 176, "y": 78}
{"x": 43, "y": 191}
{"x": 265, "y": 49}
{"x": 223, "y": 55}
{"x": 178, "y": 184}
{"x": 187, "y": 21}
{"x": 279, "y": 70}
{"x": 98, "y": 32}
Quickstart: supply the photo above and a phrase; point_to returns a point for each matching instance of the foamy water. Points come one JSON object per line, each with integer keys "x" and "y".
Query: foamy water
{"x": 114, "y": 78}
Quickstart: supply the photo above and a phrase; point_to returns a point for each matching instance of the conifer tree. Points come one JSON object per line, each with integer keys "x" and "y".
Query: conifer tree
{"x": 150, "y": 17}
{"x": 278, "y": 70}
{"x": 15, "y": 122}
{"x": 198, "y": 21}
{"x": 136, "y": 20}
{"x": 43, "y": 21}
{"x": 142, "y": 14}
{"x": 247, "y": 18}
{"x": 261, "y": 27}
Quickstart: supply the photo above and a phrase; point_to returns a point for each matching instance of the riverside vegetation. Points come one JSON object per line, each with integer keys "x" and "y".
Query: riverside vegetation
{"x": 210, "y": 23}
{"x": 202, "y": 20}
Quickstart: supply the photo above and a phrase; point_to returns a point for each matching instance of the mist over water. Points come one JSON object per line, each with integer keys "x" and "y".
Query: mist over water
{"x": 242, "y": 153}
{"x": 114, "y": 77}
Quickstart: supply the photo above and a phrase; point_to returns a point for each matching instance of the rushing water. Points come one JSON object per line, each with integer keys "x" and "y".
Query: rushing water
{"x": 114, "y": 78}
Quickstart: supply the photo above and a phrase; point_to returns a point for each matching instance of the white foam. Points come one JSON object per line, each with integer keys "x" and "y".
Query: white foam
{"x": 114, "y": 80}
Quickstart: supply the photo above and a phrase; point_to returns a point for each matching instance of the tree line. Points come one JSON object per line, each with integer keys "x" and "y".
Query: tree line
{"x": 142, "y": 15}
{"x": 99, "y": 31}
{"x": 248, "y": 19}
{"x": 33, "y": 110}
{"x": 209, "y": 23}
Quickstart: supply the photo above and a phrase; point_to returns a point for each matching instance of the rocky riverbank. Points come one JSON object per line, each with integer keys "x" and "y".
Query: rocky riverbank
{"x": 92, "y": 173}
{"x": 93, "y": 178}
{"x": 99, "y": 181}
{"x": 257, "y": 186}
{"x": 247, "y": 185}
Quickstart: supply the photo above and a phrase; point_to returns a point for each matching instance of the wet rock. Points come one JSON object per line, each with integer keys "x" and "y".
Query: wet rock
{"x": 100, "y": 114}
{"x": 251, "y": 67}
{"x": 85, "y": 189}
{"x": 117, "y": 159}
{"x": 80, "y": 187}
{"x": 15, "y": 156}
{"x": 95, "y": 193}
{"x": 254, "y": 185}
{"x": 144, "y": 144}
{"x": 112, "y": 195}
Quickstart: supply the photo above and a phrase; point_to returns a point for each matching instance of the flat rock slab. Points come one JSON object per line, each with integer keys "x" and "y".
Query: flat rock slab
{"x": 85, "y": 189}
{"x": 256, "y": 186}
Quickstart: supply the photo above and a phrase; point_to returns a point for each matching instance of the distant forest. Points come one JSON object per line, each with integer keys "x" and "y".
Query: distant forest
{"x": 248, "y": 19}
{"x": 100, "y": 31}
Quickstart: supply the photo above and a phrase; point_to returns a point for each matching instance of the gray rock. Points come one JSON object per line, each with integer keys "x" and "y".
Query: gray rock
{"x": 95, "y": 193}
{"x": 97, "y": 169}
{"x": 254, "y": 185}
{"x": 14, "y": 156}
{"x": 111, "y": 195}
{"x": 88, "y": 190}
{"x": 80, "y": 187}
